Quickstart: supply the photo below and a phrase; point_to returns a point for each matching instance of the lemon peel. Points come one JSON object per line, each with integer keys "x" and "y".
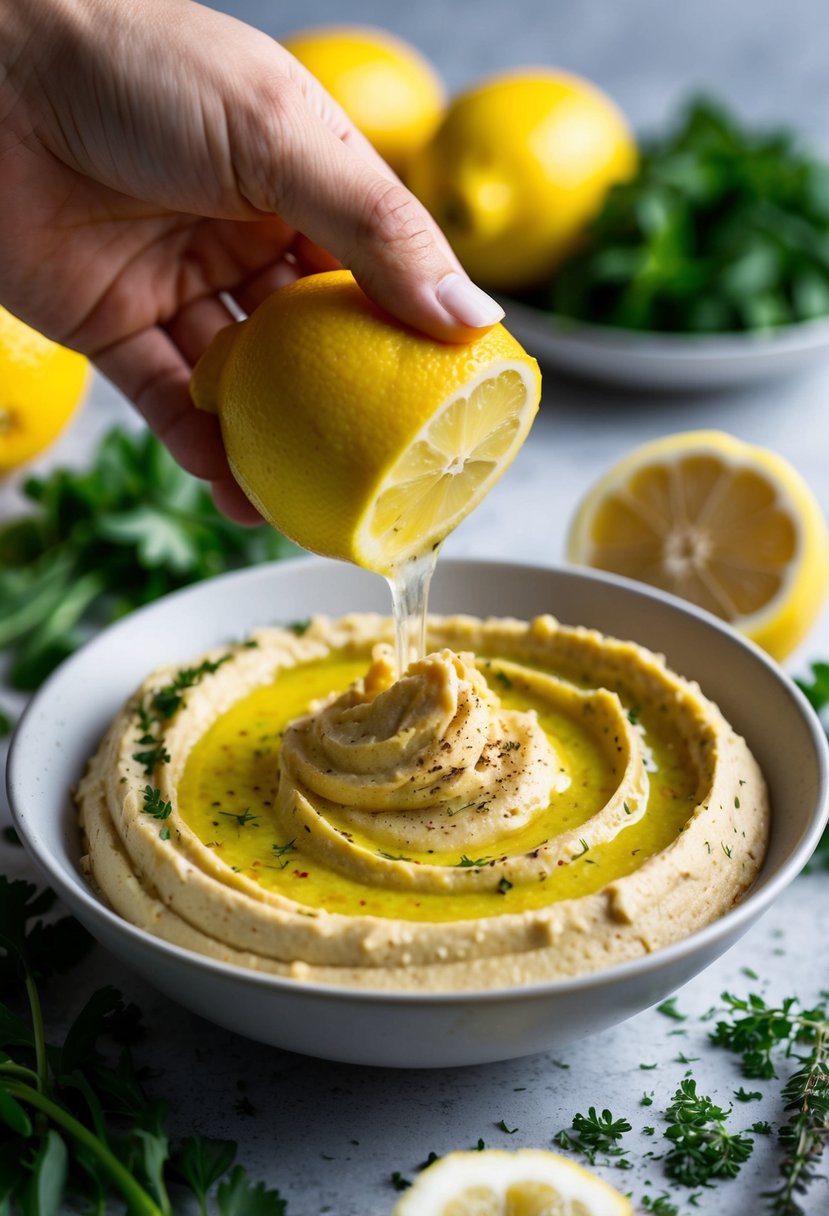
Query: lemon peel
{"x": 355, "y": 436}
{"x": 494, "y": 1182}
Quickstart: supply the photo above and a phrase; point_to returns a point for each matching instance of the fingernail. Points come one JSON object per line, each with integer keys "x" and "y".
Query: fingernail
{"x": 467, "y": 303}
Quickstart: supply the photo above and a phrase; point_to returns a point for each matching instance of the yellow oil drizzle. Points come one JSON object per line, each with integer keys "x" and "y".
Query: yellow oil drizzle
{"x": 227, "y": 793}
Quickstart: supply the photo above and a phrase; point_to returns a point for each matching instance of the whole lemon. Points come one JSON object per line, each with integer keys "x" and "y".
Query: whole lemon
{"x": 518, "y": 167}
{"x": 386, "y": 87}
{"x": 354, "y": 435}
{"x": 41, "y": 386}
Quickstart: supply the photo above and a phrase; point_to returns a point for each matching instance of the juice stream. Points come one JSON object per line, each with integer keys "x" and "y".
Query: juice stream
{"x": 409, "y": 586}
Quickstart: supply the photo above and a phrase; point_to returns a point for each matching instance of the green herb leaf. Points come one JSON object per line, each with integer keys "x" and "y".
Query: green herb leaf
{"x": 104, "y": 540}
{"x": 722, "y": 228}
{"x": 202, "y": 1162}
{"x": 13, "y": 1115}
{"x": 702, "y": 1149}
{"x": 237, "y": 1196}
{"x": 45, "y": 1192}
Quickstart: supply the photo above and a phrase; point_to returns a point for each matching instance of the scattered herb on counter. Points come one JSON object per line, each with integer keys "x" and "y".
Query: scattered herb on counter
{"x": 669, "y": 1010}
{"x": 755, "y": 1031}
{"x": 723, "y": 228}
{"x": 6, "y": 723}
{"x": 596, "y": 1135}
{"x": 75, "y": 1124}
{"x": 104, "y": 540}
{"x": 659, "y": 1205}
{"x": 702, "y": 1149}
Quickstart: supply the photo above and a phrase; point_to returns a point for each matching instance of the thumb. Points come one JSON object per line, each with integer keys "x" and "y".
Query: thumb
{"x": 340, "y": 195}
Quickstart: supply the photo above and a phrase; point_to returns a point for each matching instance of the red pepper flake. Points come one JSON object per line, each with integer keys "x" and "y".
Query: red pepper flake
{"x": 300, "y": 873}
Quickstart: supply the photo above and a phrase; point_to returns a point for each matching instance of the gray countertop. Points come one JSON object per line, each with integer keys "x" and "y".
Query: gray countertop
{"x": 331, "y": 1135}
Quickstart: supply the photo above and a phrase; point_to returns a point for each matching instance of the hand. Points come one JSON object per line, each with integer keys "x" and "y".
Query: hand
{"x": 155, "y": 155}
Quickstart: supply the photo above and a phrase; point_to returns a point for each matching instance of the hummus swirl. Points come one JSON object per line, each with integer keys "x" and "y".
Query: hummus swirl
{"x": 529, "y": 801}
{"x": 450, "y": 765}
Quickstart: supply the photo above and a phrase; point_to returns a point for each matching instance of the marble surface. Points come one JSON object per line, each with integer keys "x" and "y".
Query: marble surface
{"x": 330, "y": 1136}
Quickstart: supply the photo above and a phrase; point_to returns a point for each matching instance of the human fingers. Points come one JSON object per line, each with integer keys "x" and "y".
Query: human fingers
{"x": 321, "y": 181}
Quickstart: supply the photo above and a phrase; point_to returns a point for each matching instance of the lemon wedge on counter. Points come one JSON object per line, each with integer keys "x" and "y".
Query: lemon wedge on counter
{"x": 528, "y": 1182}
{"x": 725, "y": 524}
{"x": 356, "y": 436}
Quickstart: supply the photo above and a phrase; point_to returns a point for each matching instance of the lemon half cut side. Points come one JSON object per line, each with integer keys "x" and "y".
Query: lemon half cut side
{"x": 728, "y": 525}
{"x": 356, "y": 436}
{"x": 494, "y": 1182}
{"x": 449, "y": 467}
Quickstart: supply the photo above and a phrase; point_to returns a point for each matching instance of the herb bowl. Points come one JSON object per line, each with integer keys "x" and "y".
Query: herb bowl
{"x": 65, "y": 720}
{"x": 634, "y": 359}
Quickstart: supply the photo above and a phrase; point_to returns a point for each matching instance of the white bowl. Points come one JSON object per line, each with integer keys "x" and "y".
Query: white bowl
{"x": 678, "y": 362}
{"x": 65, "y": 720}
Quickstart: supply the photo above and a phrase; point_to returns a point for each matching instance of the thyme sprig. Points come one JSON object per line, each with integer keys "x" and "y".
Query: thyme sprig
{"x": 756, "y": 1030}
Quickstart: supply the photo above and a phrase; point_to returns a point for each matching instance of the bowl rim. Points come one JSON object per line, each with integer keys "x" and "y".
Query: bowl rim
{"x": 733, "y": 923}
{"x": 796, "y": 337}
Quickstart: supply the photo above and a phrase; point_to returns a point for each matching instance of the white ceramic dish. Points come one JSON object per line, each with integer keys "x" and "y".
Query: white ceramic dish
{"x": 676, "y": 362}
{"x": 65, "y": 720}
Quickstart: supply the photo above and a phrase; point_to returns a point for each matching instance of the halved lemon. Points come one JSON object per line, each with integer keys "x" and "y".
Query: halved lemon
{"x": 528, "y": 1182}
{"x": 356, "y": 436}
{"x": 725, "y": 524}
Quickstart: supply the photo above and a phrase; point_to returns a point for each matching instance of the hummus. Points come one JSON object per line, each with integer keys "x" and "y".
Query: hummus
{"x": 528, "y": 802}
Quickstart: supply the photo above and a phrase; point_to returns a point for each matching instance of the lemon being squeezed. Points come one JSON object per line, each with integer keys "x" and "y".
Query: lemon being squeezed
{"x": 358, "y": 437}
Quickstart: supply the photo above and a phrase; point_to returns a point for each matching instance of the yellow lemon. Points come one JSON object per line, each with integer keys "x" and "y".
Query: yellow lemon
{"x": 389, "y": 91}
{"x": 41, "y": 385}
{"x": 725, "y": 524}
{"x": 355, "y": 436}
{"x": 518, "y": 167}
{"x": 528, "y": 1182}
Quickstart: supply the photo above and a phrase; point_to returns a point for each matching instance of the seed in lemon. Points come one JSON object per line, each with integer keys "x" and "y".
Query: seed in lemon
{"x": 725, "y": 524}
{"x": 520, "y": 164}
{"x": 528, "y": 1182}
{"x": 387, "y": 88}
{"x": 41, "y": 385}
{"x": 355, "y": 436}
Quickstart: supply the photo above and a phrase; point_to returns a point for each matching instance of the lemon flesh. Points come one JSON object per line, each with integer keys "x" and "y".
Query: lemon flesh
{"x": 355, "y": 436}
{"x": 528, "y": 1182}
{"x": 727, "y": 525}
{"x": 41, "y": 386}
{"x": 518, "y": 167}
{"x": 386, "y": 87}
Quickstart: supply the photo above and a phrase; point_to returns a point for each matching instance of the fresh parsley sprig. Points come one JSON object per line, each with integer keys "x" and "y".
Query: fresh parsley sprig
{"x": 702, "y": 1149}
{"x": 596, "y": 1135}
{"x": 75, "y": 1123}
{"x": 723, "y": 228}
{"x": 101, "y": 541}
